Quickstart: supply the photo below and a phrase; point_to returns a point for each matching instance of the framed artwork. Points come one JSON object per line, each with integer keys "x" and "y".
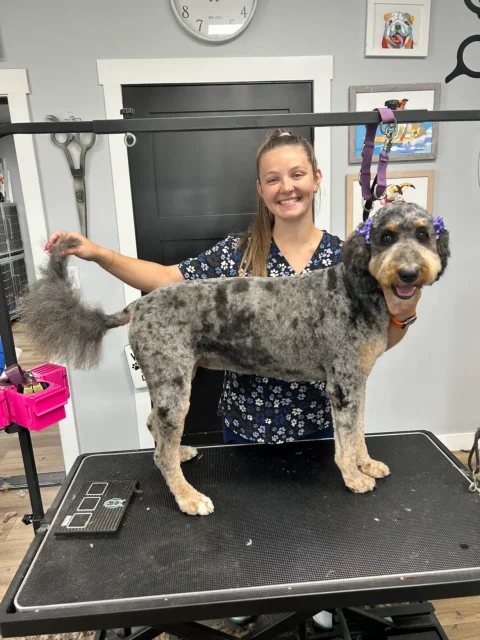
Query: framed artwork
{"x": 397, "y": 28}
{"x": 413, "y": 141}
{"x": 412, "y": 186}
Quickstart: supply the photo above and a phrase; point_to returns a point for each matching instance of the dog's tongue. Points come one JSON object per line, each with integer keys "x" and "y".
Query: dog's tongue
{"x": 398, "y": 38}
{"x": 405, "y": 291}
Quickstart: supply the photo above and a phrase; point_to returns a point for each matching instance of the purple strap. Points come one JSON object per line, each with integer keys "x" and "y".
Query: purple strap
{"x": 387, "y": 117}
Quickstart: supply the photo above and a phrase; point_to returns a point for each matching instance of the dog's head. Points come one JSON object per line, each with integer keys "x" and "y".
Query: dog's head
{"x": 398, "y": 28}
{"x": 401, "y": 247}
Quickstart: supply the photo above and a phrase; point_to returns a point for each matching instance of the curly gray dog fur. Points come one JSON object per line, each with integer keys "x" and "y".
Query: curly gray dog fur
{"x": 330, "y": 324}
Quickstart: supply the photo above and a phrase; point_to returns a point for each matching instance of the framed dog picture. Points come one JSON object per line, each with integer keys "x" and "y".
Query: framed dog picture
{"x": 412, "y": 186}
{"x": 413, "y": 141}
{"x": 397, "y": 29}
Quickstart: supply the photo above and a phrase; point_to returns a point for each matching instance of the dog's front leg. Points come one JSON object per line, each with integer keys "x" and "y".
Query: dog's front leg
{"x": 345, "y": 400}
{"x": 365, "y": 463}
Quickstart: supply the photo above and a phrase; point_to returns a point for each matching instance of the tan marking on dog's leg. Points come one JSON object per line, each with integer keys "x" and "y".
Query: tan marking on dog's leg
{"x": 345, "y": 450}
{"x": 149, "y": 423}
{"x": 187, "y": 453}
{"x": 367, "y": 465}
{"x": 368, "y": 354}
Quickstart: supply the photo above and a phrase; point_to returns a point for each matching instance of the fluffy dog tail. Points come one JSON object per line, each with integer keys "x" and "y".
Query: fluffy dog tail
{"x": 60, "y": 325}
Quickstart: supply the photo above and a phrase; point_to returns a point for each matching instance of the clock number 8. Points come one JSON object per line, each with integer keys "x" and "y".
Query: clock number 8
{"x": 185, "y": 13}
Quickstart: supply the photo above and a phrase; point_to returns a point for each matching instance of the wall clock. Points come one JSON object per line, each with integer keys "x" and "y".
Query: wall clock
{"x": 214, "y": 21}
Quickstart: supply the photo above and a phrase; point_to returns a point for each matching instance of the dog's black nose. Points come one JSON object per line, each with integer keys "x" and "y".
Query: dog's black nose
{"x": 408, "y": 275}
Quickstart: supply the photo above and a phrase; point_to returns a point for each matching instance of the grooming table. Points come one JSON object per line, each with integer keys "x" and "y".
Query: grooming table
{"x": 286, "y": 536}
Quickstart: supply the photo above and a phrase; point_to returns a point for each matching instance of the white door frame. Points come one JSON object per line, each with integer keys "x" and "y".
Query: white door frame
{"x": 112, "y": 74}
{"x": 14, "y": 86}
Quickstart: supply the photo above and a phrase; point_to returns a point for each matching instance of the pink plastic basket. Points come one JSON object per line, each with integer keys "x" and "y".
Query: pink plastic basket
{"x": 38, "y": 410}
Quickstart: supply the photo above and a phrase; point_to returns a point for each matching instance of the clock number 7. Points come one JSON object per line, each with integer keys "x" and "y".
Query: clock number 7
{"x": 244, "y": 12}
{"x": 200, "y": 27}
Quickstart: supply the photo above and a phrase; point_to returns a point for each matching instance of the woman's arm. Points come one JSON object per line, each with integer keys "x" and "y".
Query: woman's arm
{"x": 140, "y": 274}
{"x": 400, "y": 310}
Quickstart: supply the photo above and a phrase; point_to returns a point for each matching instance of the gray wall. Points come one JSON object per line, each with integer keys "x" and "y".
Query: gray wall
{"x": 430, "y": 381}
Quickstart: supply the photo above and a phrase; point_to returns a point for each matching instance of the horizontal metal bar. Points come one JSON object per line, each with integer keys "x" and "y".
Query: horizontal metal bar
{"x": 56, "y": 478}
{"x": 223, "y": 123}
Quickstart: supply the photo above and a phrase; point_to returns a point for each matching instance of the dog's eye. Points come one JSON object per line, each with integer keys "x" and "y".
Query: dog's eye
{"x": 422, "y": 235}
{"x": 386, "y": 238}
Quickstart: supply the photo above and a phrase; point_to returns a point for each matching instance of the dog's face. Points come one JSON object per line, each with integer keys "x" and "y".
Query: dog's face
{"x": 401, "y": 247}
{"x": 405, "y": 252}
{"x": 398, "y": 29}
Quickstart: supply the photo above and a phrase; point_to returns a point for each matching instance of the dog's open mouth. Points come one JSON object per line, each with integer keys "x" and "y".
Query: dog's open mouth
{"x": 398, "y": 39}
{"x": 404, "y": 291}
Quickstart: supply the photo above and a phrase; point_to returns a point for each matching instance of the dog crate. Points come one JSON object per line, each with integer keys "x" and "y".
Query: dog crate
{"x": 12, "y": 258}
{"x": 14, "y": 276}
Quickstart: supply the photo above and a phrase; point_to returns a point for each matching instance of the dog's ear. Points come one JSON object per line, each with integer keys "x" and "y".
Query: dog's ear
{"x": 443, "y": 249}
{"x": 411, "y": 18}
{"x": 356, "y": 251}
{"x": 387, "y": 16}
{"x": 355, "y": 256}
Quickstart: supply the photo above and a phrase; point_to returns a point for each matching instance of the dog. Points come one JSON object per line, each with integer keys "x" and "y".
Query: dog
{"x": 330, "y": 324}
{"x": 398, "y": 32}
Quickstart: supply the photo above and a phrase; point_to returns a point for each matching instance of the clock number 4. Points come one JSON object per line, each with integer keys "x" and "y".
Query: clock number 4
{"x": 244, "y": 12}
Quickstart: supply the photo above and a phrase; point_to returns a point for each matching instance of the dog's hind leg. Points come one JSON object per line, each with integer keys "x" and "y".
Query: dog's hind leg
{"x": 365, "y": 463}
{"x": 345, "y": 403}
{"x": 170, "y": 406}
{"x": 186, "y": 453}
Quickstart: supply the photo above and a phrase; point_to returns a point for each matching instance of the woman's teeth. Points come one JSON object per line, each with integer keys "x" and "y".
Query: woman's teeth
{"x": 289, "y": 201}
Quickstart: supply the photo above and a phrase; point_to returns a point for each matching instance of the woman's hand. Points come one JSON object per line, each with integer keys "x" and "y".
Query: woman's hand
{"x": 85, "y": 249}
{"x": 401, "y": 309}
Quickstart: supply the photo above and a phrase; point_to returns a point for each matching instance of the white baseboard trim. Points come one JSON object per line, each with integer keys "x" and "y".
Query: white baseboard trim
{"x": 457, "y": 441}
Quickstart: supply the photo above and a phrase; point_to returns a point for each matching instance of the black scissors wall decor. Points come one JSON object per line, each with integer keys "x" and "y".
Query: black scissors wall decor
{"x": 77, "y": 174}
{"x": 461, "y": 68}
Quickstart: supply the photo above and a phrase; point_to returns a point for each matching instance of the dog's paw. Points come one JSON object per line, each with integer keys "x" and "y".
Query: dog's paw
{"x": 187, "y": 453}
{"x": 374, "y": 469}
{"x": 360, "y": 483}
{"x": 196, "y": 504}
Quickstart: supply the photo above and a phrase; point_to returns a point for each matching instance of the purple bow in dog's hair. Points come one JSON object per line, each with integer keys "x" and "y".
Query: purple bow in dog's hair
{"x": 365, "y": 230}
{"x": 438, "y": 225}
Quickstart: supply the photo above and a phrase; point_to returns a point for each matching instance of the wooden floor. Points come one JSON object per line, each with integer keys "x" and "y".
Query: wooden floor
{"x": 460, "y": 617}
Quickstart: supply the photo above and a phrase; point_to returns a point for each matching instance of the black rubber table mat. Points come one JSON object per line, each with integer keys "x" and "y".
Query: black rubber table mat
{"x": 282, "y": 516}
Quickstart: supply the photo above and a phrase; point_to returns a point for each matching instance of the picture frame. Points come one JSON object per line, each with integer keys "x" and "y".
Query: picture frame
{"x": 414, "y": 141}
{"x": 397, "y": 28}
{"x": 422, "y": 193}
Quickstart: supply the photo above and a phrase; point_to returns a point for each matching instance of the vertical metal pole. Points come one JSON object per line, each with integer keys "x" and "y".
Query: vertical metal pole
{"x": 32, "y": 477}
{"x": 8, "y": 343}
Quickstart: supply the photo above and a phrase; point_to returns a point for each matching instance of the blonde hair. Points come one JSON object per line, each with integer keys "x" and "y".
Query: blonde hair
{"x": 258, "y": 238}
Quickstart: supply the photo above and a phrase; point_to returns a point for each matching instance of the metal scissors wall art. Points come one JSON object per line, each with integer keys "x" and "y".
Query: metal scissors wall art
{"x": 77, "y": 174}
{"x": 461, "y": 68}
